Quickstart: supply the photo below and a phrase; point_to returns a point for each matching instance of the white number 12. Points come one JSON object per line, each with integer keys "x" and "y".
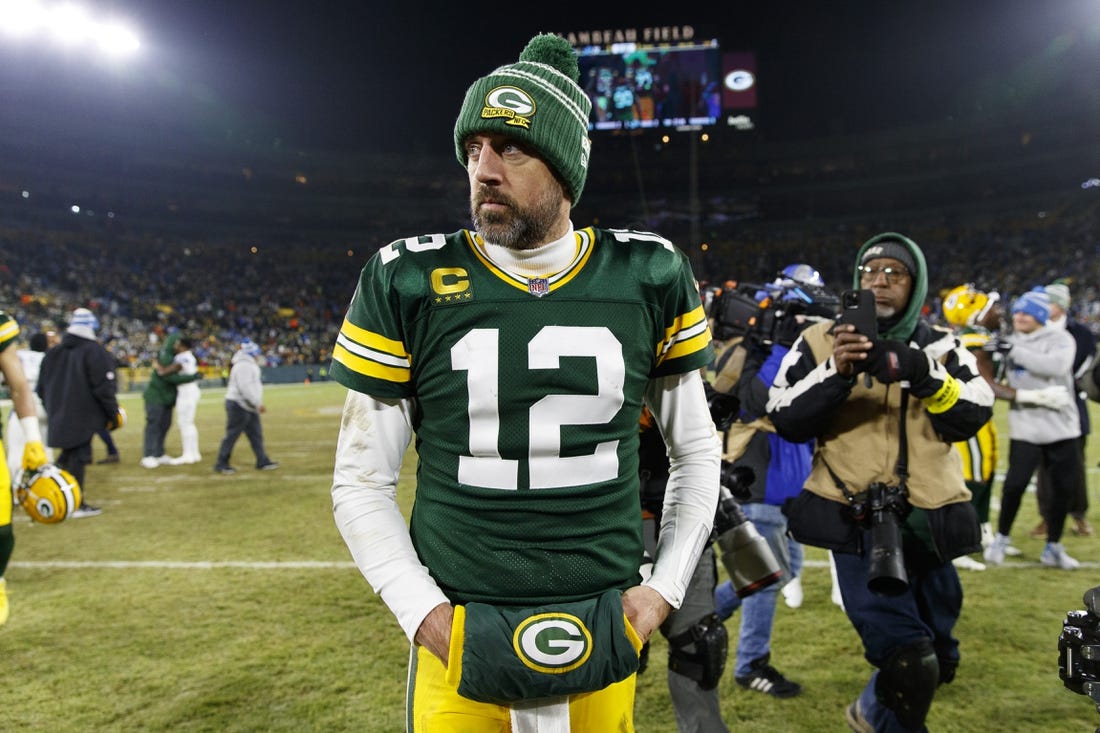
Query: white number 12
{"x": 478, "y": 354}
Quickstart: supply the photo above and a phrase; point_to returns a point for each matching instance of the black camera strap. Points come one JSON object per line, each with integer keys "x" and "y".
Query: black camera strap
{"x": 902, "y": 467}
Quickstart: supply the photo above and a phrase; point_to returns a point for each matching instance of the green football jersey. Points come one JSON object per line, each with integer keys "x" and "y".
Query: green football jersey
{"x": 529, "y": 392}
{"x": 9, "y": 330}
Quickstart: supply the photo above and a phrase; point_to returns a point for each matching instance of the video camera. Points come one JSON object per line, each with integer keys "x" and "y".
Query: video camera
{"x": 764, "y": 312}
{"x": 1079, "y": 649}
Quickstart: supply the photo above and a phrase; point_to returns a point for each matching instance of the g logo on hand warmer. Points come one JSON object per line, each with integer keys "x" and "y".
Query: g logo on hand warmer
{"x": 552, "y": 643}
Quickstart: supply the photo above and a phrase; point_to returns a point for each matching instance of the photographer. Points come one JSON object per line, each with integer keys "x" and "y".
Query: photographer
{"x": 886, "y": 491}
{"x": 793, "y": 302}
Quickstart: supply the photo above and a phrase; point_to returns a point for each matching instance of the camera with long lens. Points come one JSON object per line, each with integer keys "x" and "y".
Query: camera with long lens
{"x": 1079, "y": 649}
{"x": 745, "y": 553}
{"x": 882, "y": 509}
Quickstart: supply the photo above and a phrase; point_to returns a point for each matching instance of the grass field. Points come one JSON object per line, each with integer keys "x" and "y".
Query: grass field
{"x": 201, "y": 602}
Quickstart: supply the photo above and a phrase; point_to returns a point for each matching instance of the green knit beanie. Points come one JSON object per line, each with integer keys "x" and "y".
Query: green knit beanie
{"x": 536, "y": 100}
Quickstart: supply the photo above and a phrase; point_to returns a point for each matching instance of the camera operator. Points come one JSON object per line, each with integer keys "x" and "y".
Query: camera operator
{"x": 886, "y": 492}
{"x": 794, "y": 301}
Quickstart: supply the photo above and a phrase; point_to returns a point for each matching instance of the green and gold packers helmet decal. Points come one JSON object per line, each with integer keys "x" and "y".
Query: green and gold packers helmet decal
{"x": 552, "y": 643}
{"x": 511, "y": 103}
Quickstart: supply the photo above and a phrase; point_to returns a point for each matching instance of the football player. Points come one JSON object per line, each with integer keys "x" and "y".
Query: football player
{"x": 521, "y": 354}
{"x": 34, "y": 452}
{"x": 976, "y": 316}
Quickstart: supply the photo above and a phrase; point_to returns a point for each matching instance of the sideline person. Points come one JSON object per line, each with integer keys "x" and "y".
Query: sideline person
{"x": 160, "y": 401}
{"x": 1043, "y": 425}
{"x": 30, "y": 359}
{"x": 244, "y": 404}
{"x": 34, "y": 452}
{"x": 885, "y": 406}
{"x": 1083, "y": 356}
{"x": 521, "y": 354}
{"x": 77, "y": 385}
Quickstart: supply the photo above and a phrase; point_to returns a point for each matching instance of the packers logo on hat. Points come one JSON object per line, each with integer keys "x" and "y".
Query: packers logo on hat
{"x": 511, "y": 103}
{"x": 505, "y": 102}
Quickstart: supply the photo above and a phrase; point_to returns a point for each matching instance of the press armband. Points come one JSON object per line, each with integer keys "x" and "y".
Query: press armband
{"x": 944, "y": 398}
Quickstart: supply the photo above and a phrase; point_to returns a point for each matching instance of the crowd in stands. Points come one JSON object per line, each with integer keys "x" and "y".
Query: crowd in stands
{"x": 289, "y": 295}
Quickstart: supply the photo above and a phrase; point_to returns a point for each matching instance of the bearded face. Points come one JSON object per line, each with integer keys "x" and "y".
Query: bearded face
{"x": 502, "y": 220}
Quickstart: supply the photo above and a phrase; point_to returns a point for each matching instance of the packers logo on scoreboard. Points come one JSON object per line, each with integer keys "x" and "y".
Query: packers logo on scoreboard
{"x": 552, "y": 643}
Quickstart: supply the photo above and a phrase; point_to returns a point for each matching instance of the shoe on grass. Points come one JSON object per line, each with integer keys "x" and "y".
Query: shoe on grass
{"x": 1055, "y": 556}
{"x": 86, "y": 510}
{"x": 225, "y": 470}
{"x": 150, "y": 462}
{"x": 1081, "y": 527}
{"x": 853, "y": 716}
{"x": 109, "y": 458}
{"x": 269, "y": 466}
{"x": 765, "y": 678}
{"x": 995, "y": 553}
{"x": 792, "y": 592}
{"x": 966, "y": 562}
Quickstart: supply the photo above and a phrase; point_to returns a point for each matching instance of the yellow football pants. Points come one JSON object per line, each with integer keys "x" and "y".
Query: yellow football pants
{"x": 434, "y": 705}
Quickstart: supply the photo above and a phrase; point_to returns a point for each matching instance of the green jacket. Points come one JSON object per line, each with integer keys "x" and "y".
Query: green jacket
{"x": 162, "y": 390}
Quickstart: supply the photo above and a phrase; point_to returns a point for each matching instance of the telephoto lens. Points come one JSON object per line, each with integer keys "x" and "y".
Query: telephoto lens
{"x": 886, "y": 576}
{"x": 746, "y": 555}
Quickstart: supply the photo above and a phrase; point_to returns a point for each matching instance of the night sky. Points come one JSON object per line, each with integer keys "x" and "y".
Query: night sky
{"x": 348, "y": 76}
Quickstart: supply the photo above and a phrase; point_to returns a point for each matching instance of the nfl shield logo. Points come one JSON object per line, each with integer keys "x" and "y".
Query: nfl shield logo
{"x": 538, "y": 286}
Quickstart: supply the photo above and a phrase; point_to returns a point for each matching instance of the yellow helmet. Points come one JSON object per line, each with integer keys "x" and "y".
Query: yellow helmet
{"x": 48, "y": 494}
{"x": 965, "y": 305}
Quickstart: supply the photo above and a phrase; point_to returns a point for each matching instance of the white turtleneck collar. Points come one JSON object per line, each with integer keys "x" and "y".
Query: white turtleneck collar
{"x": 1057, "y": 323}
{"x": 543, "y": 261}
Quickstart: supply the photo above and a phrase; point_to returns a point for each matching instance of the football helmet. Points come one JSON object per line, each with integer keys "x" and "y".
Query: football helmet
{"x": 48, "y": 494}
{"x": 965, "y": 305}
{"x": 802, "y": 274}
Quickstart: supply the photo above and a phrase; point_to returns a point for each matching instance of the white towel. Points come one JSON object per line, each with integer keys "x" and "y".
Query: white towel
{"x": 544, "y": 717}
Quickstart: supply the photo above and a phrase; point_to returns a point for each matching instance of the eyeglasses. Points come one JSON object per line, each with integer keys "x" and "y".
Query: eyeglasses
{"x": 894, "y": 275}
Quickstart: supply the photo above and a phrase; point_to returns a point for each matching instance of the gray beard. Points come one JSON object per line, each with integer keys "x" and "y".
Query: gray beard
{"x": 517, "y": 228}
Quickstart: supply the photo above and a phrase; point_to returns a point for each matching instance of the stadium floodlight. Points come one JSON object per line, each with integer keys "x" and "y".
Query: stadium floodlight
{"x": 117, "y": 40}
{"x": 68, "y": 24}
{"x": 19, "y": 17}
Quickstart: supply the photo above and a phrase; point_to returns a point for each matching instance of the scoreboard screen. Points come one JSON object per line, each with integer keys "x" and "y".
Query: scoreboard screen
{"x": 638, "y": 86}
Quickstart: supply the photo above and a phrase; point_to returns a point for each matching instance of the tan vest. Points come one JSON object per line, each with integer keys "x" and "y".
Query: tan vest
{"x": 860, "y": 443}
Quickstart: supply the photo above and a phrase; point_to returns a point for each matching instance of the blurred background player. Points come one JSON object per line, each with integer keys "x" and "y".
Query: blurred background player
{"x": 976, "y": 317}
{"x": 187, "y": 401}
{"x": 34, "y": 452}
{"x": 31, "y": 360}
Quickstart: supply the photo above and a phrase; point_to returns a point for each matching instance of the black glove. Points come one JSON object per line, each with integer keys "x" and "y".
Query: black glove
{"x": 998, "y": 344}
{"x": 787, "y": 330}
{"x": 893, "y": 361}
